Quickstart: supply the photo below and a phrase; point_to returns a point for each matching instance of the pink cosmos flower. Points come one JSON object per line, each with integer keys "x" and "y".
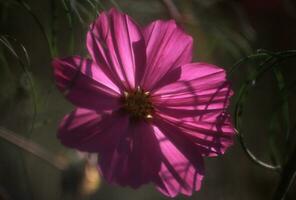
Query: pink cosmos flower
{"x": 150, "y": 113}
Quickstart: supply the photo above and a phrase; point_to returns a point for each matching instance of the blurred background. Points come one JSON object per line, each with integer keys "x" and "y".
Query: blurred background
{"x": 35, "y": 166}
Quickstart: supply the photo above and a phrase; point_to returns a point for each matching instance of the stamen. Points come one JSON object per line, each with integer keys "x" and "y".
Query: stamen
{"x": 149, "y": 116}
{"x": 138, "y": 104}
{"x": 138, "y": 89}
{"x": 125, "y": 94}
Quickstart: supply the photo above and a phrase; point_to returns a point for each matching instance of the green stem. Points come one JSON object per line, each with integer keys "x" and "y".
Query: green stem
{"x": 287, "y": 177}
{"x": 32, "y": 148}
{"x": 54, "y": 16}
{"x": 269, "y": 63}
{"x": 70, "y": 23}
{"x": 116, "y": 4}
{"x": 238, "y": 113}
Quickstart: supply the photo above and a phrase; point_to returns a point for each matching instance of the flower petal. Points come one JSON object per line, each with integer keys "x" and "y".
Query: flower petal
{"x": 197, "y": 104}
{"x": 182, "y": 166}
{"x": 116, "y": 43}
{"x": 201, "y": 93}
{"x": 168, "y": 47}
{"x": 211, "y": 139}
{"x": 135, "y": 160}
{"x": 85, "y": 84}
{"x": 86, "y": 130}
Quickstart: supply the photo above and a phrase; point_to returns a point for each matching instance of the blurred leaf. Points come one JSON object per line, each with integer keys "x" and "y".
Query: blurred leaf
{"x": 25, "y": 65}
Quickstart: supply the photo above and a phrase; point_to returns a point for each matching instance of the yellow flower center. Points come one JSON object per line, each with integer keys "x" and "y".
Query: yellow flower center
{"x": 138, "y": 104}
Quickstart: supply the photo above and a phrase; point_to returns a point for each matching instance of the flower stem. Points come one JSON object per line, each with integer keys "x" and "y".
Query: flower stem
{"x": 287, "y": 177}
{"x": 173, "y": 10}
{"x": 32, "y": 148}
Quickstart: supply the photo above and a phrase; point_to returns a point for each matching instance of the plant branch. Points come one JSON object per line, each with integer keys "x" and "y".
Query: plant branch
{"x": 32, "y": 148}
{"x": 173, "y": 10}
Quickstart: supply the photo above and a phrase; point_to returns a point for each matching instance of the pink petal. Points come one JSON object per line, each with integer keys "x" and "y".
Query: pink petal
{"x": 168, "y": 47}
{"x": 86, "y": 130}
{"x": 85, "y": 84}
{"x": 201, "y": 93}
{"x": 197, "y": 104}
{"x": 211, "y": 138}
{"x": 135, "y": 160}
{"x": 182, "y": 166}
{"x": 115, "y": 42}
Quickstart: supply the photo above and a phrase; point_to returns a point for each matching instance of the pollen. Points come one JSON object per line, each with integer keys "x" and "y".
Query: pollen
{"x": 138, "y": 104}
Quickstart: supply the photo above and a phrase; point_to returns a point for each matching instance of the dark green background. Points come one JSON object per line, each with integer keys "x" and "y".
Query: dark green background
{"x": 224, "y": 31}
